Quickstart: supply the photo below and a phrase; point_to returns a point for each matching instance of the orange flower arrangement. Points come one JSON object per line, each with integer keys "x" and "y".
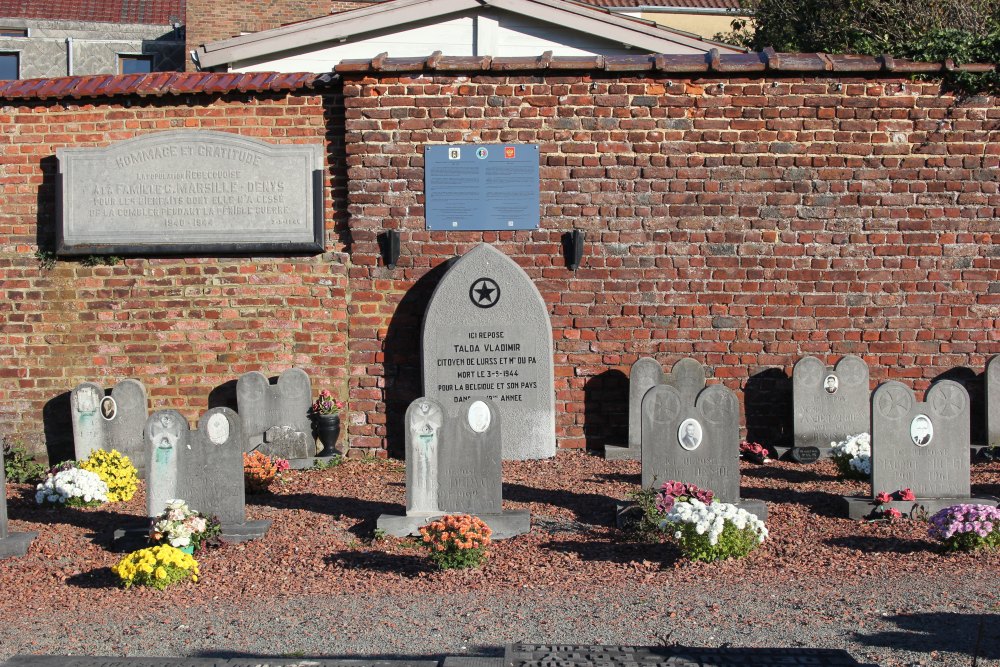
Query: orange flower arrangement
{"x": 456, "y": 541}
{"x": 259, "y": 471}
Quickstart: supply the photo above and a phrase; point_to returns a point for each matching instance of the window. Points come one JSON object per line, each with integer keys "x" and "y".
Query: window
{"x": 13, "y": 32}
{"x": 135, "y": 64}
{"x": 9, "y": 66}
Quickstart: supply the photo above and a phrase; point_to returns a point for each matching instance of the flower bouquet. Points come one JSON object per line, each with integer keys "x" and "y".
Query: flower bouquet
{"x": 713, "y": 531}
{"x": 326, "y": 405}
{"x": 456, "y": 541}
{"x": 260, "y": 471}
{"x": 754, "y": 452}
{"x": 967, "y": 527}
{"x": 183, "y": 528}
{"x": 853, "y": 456}
{"x": 158, "y": 566}
{"x": 72, "y": 487}
{"x": 673, "y": 492}
{"x": 116, "y": 470}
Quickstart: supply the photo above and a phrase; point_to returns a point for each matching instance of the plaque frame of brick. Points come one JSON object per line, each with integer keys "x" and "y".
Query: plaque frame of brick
{"x": 198, "y": 192}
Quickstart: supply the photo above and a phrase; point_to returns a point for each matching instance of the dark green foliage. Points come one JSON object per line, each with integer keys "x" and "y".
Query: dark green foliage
{"x": 966, "y": 31}
{"x": 20, "y": 466}
{"x": 648, "y": 517}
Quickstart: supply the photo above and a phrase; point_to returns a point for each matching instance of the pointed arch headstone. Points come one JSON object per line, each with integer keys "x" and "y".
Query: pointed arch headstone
{"x": 486, "y": 332}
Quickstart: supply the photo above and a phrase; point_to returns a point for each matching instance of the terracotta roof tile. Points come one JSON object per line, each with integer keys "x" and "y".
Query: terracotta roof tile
{"x": 150, "y": 12}
{"x": 158, "y": 84}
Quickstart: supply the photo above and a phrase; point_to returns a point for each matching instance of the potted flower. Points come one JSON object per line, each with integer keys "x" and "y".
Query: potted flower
{"x": 456, "y": 541}
{"x": 158, "y": 567}
{"x": 183, "y": 528}
{"x": 325, "y": 415}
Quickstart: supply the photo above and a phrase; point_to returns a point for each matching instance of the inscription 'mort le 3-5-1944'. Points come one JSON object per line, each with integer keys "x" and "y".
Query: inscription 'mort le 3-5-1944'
{"x": 179, "y": 191}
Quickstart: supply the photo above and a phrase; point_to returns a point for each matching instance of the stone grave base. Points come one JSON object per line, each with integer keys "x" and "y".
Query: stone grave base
{"x": 615, "y": 453}
{"x": 860, "y": 507}
{"x": 307, "y": 463}
{"x": 134, "y": 537}
{"x": 507, "y": 524}
{"x": 627, "y": 513}
{"x": 16, "y": 544}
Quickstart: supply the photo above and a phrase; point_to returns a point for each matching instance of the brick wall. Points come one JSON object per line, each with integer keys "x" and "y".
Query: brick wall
{"x": 213, "y": 20}
{"x": 186, "y": 327}
{"x": 743, "y": 223}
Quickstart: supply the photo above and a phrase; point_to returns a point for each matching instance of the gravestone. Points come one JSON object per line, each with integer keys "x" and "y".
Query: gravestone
{"x": 276, "y": 416}
{"x": 11, "y": 544}
{"x": 923, "y": 447}
{"x": 453, "y": 466}
{"x": 695, "y": 440}
{"x": 687, "y": 376}
{"x": 203, "y": 467}
{"x": 110, "y": 422}
{"x": 829, "y": 404}
{"x": 993, "y": 402}
{"x": 486, "y": 332}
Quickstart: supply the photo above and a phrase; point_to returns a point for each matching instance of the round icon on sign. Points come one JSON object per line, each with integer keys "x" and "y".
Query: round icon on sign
{"x": 484, "y": 292}
{"x": 482, "y": 153}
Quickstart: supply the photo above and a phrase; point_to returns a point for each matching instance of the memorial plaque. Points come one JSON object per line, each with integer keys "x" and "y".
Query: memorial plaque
{"x": 697, "y": 444}
{"x": 486, "y": 332}
{"x": 830, "y": 404}
{"x": 183, "y": 191}
{"x": 993, "y": 402}
{"x": 921, "y": 446}
{"x": 805, "y": 454}
{"x": 263, "y": 407}
{"x": 481, "y": 187}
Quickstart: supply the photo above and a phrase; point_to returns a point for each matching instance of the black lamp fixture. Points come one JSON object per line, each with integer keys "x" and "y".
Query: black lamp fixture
{"x": 390, "y": 247}
{"x": 573, "y": 248}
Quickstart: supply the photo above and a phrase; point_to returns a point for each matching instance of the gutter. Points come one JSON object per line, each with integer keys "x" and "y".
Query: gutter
{"x": 706, "y": 11}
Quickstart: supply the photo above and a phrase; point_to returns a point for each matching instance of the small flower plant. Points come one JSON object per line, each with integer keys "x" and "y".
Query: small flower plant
{"x": 158, "y": 566}
{"x": 967, "y": 527}
{"x": 260, "y": 471}
{"x": 71, "y": 486}
{"x": 754, "y": 452}
{"x": 180, "y": 526}
{"x": 853, "y": 456}
{"x": 116, "y": 470}
{"x": 456, "y": 541}
{"x": 326, "y": 404}
{"x": 713, "y": 531}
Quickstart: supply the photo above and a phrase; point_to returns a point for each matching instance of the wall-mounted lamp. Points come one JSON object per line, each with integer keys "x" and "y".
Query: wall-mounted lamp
{"x": 573, "y": 248}
{"x": 389, "y": 241}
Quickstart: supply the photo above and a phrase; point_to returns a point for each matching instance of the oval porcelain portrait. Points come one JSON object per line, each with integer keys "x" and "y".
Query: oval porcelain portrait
{"x": 479, "y": 416}
{"x": 830, "y": 384}
{"x": 921, "y": 430}
{"x": 109, "y": 408}
{"x": 689, "y": 434}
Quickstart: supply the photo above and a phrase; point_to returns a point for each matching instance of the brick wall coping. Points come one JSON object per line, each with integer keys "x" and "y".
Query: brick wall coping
{"x": 712, "y": 61}
{"x": 159, "y": 84}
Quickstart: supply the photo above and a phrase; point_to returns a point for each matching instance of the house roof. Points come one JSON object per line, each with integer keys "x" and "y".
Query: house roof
{"x": 694, "y": 4}
{"x": 586, "y": 18}
{"x": 160, "y": 84}
{"x": 147, "y": 12}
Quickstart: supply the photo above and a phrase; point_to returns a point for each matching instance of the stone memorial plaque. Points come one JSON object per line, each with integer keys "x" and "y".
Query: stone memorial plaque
{"x": 124, "y": 429}
{"x": 993, "y": 402}
{"x": 645, "y": 374}
{"x": 424, "y": 421}
{"x": 805, "y": 454}
{"x": 453, "y": 466}
{"x": 921, "y": 446}
{"x": 563, "y": 655}
{"x": 88, "y": 425}
{"x": 469, "y": 469}
{"x": 11, "y": 544}
{"x": 264, "y": 406}
{"x": 183, "y": 191}
{"x": 696, "y": 444}
{"x": 829, "y": 404}
{"x": 486, "y": 332}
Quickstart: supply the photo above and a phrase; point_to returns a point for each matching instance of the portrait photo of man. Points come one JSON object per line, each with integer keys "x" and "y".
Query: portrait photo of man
{"x": 689, "y": 434}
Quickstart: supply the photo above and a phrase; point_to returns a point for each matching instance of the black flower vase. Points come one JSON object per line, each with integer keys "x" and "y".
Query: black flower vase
{"x": 327, "y": 429}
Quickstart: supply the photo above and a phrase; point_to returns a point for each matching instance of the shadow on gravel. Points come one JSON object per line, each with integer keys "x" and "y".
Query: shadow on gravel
{"x": 801, "y": 475}
{"x": 818, "y": 502}
{"x": 613, "y": 551}
{"x": 970, "y": 634}
{"x": 407, "y": 657}
{"x": 882, "y": 545}
{"x": 366, "y": 512}
{"x": 100, "y": 523}
{"x": 588, "y": 507}
{"x": 622, "y": 477}
{"x": 102, "y": 577}
{"x": 404, "y": 565}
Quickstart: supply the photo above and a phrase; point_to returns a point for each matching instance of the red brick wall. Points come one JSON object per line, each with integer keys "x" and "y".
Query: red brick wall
{"x": 213, "y": 20}
{"x": 743, "y": 223}
{"x": 186, "y": 327}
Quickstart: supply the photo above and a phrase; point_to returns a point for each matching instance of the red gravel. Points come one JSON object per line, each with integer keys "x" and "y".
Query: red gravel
{"x": 322, "y": 545}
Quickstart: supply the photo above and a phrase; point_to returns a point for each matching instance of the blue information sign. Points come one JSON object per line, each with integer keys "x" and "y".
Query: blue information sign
{"x": 481, "y": 186}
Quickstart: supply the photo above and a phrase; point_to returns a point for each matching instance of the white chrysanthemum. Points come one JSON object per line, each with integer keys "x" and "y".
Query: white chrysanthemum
{"x": 857, "y": 449}
{"x": 712, "y": 519}
{"x": 72, "y": 483}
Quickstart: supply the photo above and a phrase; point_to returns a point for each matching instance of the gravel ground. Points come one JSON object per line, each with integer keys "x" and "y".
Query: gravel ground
{"x": 320, "y": 585}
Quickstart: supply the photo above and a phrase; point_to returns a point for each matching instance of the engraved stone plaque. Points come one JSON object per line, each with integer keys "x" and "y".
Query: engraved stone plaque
{"x": 190, "y": 191}
{"x": 830, "y": 404}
